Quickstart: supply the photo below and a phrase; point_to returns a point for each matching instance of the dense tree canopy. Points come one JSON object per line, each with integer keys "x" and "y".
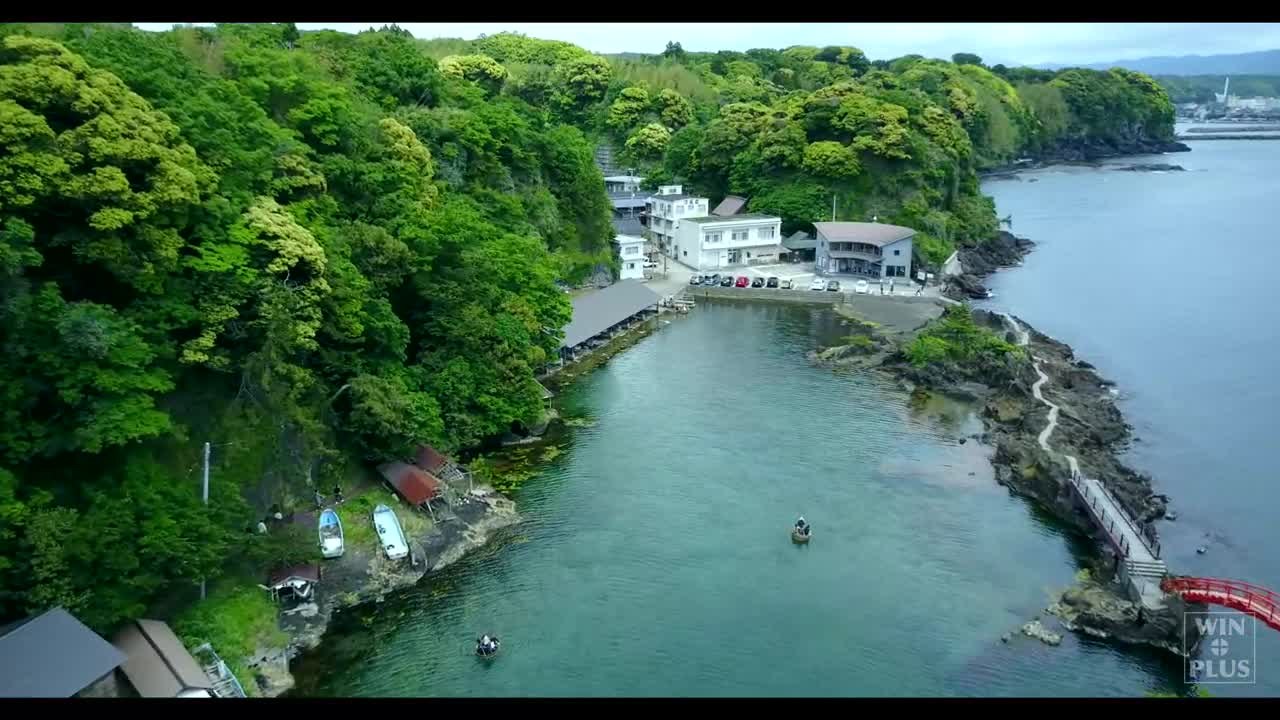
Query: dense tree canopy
{"x": 317, "y": 249}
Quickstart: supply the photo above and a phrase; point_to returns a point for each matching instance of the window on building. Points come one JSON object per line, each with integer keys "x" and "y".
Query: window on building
{"x": 713, "y": 237}
{"x": 686, "y": 253}
{"x": 632, "y": 250}
{"x": 739, "y": 234}
{"x": 766, "y": 233}
{"x": 897, "y": 252}
{"x": 631, "y": 266}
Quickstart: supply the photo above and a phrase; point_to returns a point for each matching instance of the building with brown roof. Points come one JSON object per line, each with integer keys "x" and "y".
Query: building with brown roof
{"x": 730, "y": 205}
{"x": 158, "y": 665}
{"x": 869, "y": 250}
{"x": 416, "y": 485}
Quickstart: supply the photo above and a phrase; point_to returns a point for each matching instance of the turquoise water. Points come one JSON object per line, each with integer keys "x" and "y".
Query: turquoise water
{"x": 1166, "y": 283}
{"x": 655, "y": 559}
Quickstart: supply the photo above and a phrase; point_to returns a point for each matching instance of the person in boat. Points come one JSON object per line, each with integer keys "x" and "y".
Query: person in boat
{"x": 801, "y": 525}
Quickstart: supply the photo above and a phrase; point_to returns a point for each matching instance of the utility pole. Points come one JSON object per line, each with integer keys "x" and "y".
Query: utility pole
{"x": 205, "y": 497}
{"x": 833, "y": 208}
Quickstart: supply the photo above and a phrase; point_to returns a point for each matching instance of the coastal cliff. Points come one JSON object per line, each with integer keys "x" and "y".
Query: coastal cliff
{"x": 997, "y": 374}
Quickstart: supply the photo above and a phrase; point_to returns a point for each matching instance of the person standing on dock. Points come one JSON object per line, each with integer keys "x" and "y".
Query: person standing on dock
{"x": 890, "y": 286}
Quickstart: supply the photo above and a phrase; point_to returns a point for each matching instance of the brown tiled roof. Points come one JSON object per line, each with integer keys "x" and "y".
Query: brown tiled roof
{"x": 878, "y": 234}
{"x": 414, "y": 484}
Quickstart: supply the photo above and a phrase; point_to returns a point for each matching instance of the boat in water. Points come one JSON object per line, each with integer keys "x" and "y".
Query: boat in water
{"x": 331, "y": 540}
{"x": 390, "y": 534}
{"x": 490, "y": 651}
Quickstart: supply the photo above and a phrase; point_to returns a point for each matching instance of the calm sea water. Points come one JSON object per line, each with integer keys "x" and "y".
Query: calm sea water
{"x": 1166, "y": 283}
{"x": 656, "y": 558}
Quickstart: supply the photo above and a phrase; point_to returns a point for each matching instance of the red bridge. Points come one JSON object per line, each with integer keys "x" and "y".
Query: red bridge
{"x": 1259, "y": 602}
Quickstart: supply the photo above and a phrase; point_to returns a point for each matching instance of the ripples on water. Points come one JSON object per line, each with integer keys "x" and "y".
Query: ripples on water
{"x": 655, "y": 559}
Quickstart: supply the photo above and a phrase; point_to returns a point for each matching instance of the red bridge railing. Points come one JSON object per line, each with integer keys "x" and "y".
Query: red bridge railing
{"x": 1249, "y": 599}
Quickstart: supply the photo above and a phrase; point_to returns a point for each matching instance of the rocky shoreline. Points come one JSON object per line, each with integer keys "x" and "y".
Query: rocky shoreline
{"x": 1005, "y": 250}
{"x": 1090, "y": 152}
{"x": 365, "y": 575}
{"x": 1089, "y": 427}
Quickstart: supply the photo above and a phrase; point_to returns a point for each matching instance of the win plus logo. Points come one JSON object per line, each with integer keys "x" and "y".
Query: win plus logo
{"x": 1228, "y": 648}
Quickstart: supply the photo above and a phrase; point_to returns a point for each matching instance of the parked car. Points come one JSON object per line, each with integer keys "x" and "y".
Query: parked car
{"x": 786, "y": 285}
{"x": 833, "y": 286}
{"x": 695, "y": 279}
{"x": 818, "y": 284}
{"x": 757, "y": 282}
{"x": 649, "y": 264}
{"x": 771, "y": 282}
{"x": 712, "y": 279}
{"x": 726, "y": 281}
{"x": 861, "y": 287}
{"x": 743, "y": 281}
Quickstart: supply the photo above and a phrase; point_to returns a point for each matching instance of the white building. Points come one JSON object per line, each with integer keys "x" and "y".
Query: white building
{"x": 714, "y": 242}
{"x": 666, "y": 209}
{"x": 631, "y": 253}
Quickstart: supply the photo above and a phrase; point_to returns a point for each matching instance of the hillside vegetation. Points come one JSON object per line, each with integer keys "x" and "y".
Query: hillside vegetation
{"x": 314, "y": 250}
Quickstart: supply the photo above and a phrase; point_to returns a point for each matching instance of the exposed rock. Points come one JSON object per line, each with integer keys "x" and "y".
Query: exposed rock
{"x": 1152, "y": 167}
{"x": 1035, "y": 629}
{"x": 965, "y": 286}
{"x": 1097, "y": 610}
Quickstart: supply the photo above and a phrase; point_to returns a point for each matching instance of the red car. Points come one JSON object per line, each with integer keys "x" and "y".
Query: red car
{"x": 742, "y": 281}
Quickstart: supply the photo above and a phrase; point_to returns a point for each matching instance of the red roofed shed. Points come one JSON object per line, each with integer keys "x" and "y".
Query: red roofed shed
{"x": 415, "y": 485}
{"x": 429, "y": 459}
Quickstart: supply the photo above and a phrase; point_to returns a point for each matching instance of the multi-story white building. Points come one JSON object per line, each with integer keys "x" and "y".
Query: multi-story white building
{"x": 631, "y": 253}
{"x": 714, "y": 242}
{"x": 666, "y": 209}
{"x": 872, "y": 250}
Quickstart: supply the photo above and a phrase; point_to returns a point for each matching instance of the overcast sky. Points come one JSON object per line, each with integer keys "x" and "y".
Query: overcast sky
{"x": 1010, "y": 43}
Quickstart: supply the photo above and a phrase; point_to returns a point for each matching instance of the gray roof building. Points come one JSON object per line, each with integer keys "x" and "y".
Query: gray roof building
{"x": 878, "y": 234}
{"x": 53, "y": 655}
{"x": 800, "y": 240}
{"x": 596, "y": 312}
{"x": 730, "y": 205}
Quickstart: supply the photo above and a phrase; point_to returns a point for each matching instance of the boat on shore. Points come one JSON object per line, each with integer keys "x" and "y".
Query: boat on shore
{"x": 332, "y": 543}
{"x": 390, "y": 534}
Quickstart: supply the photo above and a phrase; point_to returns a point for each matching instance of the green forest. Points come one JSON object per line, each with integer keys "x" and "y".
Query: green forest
{"x": 315, "y": 249}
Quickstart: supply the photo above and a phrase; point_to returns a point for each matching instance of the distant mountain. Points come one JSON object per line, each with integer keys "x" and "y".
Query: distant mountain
{"x": 1266, "y": 62}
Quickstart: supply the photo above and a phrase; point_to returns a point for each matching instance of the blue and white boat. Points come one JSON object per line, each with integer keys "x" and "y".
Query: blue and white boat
{"x": 390, "y": 533}
{"x": 331, "y": 541}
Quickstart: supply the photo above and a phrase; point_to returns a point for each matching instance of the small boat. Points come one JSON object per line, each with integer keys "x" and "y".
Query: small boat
{"x": 331, "y": 541}
{"x": 486, "y": 653}
{"x": 799, "y": 537}
{"x": 390, "y": 533}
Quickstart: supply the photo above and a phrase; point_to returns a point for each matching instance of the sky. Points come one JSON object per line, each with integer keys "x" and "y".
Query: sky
{"x": 1008, "y": 43}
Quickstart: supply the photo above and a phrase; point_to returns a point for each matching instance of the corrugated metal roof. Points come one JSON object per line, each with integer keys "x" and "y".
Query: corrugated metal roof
{"x": 53, "y": 655}
{"x": 596, "y": 312}
{"x": 800, "y": 240}
{"x": 430, "y": 459}
{"x": 730, "y": 205}
{"x": 158, "y": 664}
{"x": 414, "y": 484}
{"x": 878, "y": 234}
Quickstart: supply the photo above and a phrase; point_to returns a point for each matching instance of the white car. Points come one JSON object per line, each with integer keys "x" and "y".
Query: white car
{"x": 818, "y": 284}
{"x": 861, "y": 287}
{"x": 649, "y": 264}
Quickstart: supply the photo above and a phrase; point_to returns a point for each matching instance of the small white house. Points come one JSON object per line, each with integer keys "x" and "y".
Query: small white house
{"x": 666, "y": 209}
{"x": 631, "y": 254}
{"x": 713, "y": 242}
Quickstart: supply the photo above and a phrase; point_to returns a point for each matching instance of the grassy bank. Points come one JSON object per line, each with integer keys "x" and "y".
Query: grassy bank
{"x": 237, "y": 619}
{"x": 356, "y": 514}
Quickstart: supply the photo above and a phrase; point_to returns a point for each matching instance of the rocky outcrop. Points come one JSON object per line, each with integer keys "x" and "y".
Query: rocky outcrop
{"x": 1099, "y": 610}
{"x": 1152, "y": 167}
{"x": 1003, "y": 250}
{"x": 1092, "y": 150}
